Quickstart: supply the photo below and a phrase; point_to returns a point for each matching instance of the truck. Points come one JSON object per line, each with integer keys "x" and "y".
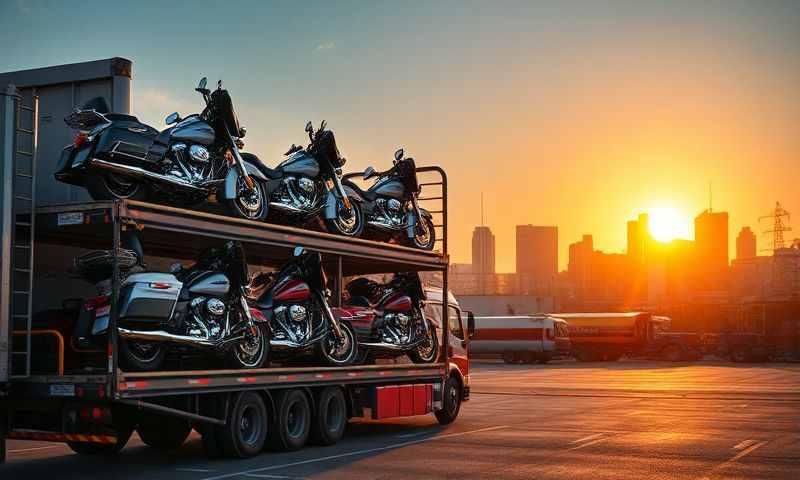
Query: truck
{"x": 94, "y": 407}
{"x": 520, "y": 339}
{"x": 609, "y": 336}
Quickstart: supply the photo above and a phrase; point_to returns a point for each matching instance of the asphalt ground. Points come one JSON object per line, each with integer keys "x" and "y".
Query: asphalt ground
{"x": 563, "y": 420}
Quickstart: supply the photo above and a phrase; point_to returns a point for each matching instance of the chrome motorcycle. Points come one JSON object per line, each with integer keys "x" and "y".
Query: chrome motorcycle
{"x": 114, "y": 156}
{"x": 390, "y": 205}
{"x": 307, "y": 186}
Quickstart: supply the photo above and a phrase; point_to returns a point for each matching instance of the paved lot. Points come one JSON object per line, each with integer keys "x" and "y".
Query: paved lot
{"x": 569, "y": 420}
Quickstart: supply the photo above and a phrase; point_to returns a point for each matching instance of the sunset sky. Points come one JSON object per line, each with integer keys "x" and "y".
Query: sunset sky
{"x": 576, "y": 114}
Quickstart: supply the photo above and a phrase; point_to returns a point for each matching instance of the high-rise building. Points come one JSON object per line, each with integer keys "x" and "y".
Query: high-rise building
{"x": 638, "y": 236}
{"x": 711, "y": 248}
{"x": 482, "y": 250}
{"x": 537, "y": 256}
{"x": 746, "y": 243}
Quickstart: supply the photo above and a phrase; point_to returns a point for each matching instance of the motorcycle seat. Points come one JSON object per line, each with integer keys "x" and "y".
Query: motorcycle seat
{"x": 365, "y": 194}
{"x": 359, "y": 301}
{"x": 262, "y": 167}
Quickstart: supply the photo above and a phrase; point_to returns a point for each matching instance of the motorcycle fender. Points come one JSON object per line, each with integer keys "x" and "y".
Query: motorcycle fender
{"x": 411, "y": 221}
{"x": 229, "y": 192}
{"x": 330, "y": 201}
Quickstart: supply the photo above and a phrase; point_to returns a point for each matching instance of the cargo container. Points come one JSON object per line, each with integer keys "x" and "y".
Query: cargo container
{"x": 521, "y": 339}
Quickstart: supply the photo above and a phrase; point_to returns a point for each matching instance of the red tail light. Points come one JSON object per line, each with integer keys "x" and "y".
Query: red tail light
{"x": 161, "y": 285}
{"x": 79, "y": 139}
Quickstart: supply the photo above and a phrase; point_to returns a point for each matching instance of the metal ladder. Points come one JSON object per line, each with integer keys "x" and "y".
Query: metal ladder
{"x": 23, "y": 219}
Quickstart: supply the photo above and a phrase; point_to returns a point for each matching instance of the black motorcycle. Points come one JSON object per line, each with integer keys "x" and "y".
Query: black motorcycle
{"x": 307, "y": 186}
{"x": 117, "y": 157}
{"x": 294, "y": 303}
{"x": 390, "y": 205}
{"x": 200, "y": 307}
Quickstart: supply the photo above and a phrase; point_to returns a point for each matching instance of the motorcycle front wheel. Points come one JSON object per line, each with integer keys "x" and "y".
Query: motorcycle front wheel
{"x": 428, "y": 350}
{"x": 251, "y": 352}
{"x": 424, "y": 235}
{"x": 339, "y": 352}
{"x": 349, "y": 223}
{"x": 248, "y": 204}
{"x": 111, "y": 186}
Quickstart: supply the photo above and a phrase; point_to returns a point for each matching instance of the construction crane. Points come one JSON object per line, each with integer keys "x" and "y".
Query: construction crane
{"x": 778, "y": 225}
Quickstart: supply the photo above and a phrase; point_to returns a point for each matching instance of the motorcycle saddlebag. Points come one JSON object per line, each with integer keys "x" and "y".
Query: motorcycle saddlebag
{"x": 126, "y": 140}
{"x": 148, "y": 298}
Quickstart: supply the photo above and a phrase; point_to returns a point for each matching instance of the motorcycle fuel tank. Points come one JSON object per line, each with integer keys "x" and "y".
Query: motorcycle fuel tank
{"x": 389, "y": 188}
{"x": 300, "y": 163}
{"x": 210, "y": 283}
{"x": 193, "y": 129}
{"x": 398, "y": 303}
{"x": 292, "y": 291}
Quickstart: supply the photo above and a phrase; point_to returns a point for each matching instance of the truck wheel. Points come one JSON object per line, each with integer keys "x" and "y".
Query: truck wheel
{"x": 451, "y": 402}
{"x": 292, "y": 421}
{"x": 741, "y": 354}
{"x": 331, "y": 418}
{"x": 508, "y": 357}
{"x": 586, "y": 356}
{"x": 245, "y": 430}
{"x": 87, "y": 448}
{"x": 672, "y": 353}
{"x": 163, "y": 433}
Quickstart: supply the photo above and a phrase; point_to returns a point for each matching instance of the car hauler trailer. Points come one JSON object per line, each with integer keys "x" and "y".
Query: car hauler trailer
{"x": 95, "y": 409}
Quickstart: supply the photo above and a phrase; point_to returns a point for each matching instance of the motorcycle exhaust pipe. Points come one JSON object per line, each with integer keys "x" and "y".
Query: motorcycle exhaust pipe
{"x": 141, "y": 173}
{"x": 162, "y": 336}
{"x": 389, "y": 346}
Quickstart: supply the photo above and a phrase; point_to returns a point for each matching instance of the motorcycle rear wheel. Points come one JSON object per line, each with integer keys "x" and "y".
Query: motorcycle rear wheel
{"x": 426, "y": 352}
{"x": 111, "y": 186}
{"x": 138, "y": 356}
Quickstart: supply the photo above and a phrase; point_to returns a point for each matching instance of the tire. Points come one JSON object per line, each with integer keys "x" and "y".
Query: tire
{"x": 586, "y": 356}
{"x": 253, "y": 353}
{"x": 526, "y": 358}
{"x": 509, "y": 358}
{"x": 134, "y": 359}
{"x": 347, "y": 227}
{"x": 330, "y": 355}
{"x": 163, "y": 433}
{"x": 109, "y": 186}
{"x": 86, "y": 448}
{"x": 422, "y": 241}
{"x": 741, "y": 354}
{"x": 451, "y": 402}
{"x": 426, "y": 355}
{"x": 292, "y": 422}
{"x": 251, "y": 205}
{"x": 245, "y": 430}
{"x": 672, "y": 353}
{"x": 330, "y": 421}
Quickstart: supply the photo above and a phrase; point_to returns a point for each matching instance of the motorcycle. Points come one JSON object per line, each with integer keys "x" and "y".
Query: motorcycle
{"x": 389, "y": 318}
{"x": 114, "y": 156}
{"x": 201, "y": 307}
{"x": 307, "y": 186}
{"x": 391, "y": 207}
{"x": 293, "y": 302}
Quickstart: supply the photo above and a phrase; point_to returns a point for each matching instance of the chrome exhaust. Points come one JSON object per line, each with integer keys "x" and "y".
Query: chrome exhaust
{"x": 141, "y": 173}
{"x": 389, "y": 346}
{"x": 162, "y": 336}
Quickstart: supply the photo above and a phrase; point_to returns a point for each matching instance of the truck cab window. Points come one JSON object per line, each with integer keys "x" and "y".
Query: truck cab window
{"x": 454, "y": 322}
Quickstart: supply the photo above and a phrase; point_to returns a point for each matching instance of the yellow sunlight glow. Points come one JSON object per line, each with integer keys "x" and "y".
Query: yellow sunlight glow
{"x": 667, "y": 224}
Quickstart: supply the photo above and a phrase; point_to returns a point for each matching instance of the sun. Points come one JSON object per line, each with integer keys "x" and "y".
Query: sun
{"x": 667, "y": 224}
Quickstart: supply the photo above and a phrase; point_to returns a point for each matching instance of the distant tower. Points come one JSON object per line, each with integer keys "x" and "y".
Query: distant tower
{"x": 778, "y": 225}
{"x": 746, "y": 244}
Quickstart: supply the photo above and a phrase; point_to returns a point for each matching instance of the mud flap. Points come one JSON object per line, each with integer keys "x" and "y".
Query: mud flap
{"x": 229, "y": 192}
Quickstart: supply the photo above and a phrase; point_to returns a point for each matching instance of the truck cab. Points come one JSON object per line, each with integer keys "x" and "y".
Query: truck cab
{"x": 461, "y": 325}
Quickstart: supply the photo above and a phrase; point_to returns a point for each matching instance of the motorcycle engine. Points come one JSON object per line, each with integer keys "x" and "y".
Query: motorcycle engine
{"x": 391, "y": 210}
{"x": 292, "y": 323}
{"x": 192, "y": 163}
{"x": 208, "y": 316}
{"x": 299, "y": 193}
{"x": 396, "y": 328}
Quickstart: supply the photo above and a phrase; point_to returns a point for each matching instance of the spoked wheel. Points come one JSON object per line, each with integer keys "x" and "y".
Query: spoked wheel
{"x": 428, "y": 350}
{"x": 451, "y": 402}
{"x": 338, "y": 352}
{"x": 331, "y": 418}
{"x": 249, "y": 203}
{"x": 292, "y": 421}
{"x": 252, "y": 351}
{"x": 424, "y": 235}
{"x": 139, "y": 356}
{"x": 348, "y": 222}
{"x": 111, "y": 186}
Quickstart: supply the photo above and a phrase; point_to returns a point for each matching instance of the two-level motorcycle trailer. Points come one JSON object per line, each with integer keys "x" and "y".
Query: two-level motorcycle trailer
{"x": 96, "y": 410}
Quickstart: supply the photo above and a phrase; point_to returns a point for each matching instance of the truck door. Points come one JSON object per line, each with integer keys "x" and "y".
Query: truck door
{"x": 459, "y": 344}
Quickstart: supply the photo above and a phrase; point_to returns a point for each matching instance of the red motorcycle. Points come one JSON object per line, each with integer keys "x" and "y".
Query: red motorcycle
{"x": 388, "y": 319}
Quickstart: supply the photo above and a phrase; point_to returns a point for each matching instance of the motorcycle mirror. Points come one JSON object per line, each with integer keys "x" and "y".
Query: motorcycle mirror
{"x": 323, "y": 125}
{"x": 309, "y": 128}
{"x": 173, "y": 117}
{"x": 242, "y": 132}
{"x": 298, "y": 251}
{"x": 470, "y": 324}
{"x": 219, "y": 84}
{"x": 368, "y": 172}
{"x": 202, "y": 84}
{"x": 398, "y": 155}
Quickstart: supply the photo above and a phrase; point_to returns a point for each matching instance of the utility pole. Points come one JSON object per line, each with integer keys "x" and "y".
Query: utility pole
{"x": 778, "y": 226}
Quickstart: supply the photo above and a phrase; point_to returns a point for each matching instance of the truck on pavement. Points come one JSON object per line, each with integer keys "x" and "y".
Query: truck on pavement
{"x": 521, "y": 339}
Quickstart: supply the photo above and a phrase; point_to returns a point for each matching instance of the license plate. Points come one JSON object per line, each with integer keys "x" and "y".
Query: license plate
{"x": 70, "y": 218}
{"x": 62, "y": 390}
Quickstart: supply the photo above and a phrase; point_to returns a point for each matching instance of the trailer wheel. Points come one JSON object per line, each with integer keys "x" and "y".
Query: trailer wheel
{"x": 451, "y": 402}
{"x": 162, "y": 432}
{"x": 672, "y": 353}
{"x": 331, "y": 418}
{"x": 741, "y": 354}
{"x": 245, "y": 430}
{"x": 292, "y": 421}
{"x": 88, "y": 448}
